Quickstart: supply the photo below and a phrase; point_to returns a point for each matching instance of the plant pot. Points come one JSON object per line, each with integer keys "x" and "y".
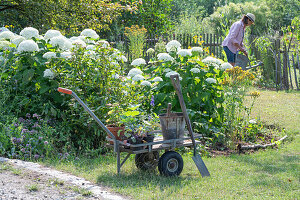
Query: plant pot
{"x": 137, "y": 140}
{"x": 172, "y": 126}
{"x": 117, "y": 131}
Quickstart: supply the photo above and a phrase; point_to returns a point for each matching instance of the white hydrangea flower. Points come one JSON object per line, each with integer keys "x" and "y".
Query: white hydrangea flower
{"x": 49, "y": 74}
{"x": 7, "y": 35}
{"x": 49, "y": 55}
{"x": 28, "y": 46}
{"x": 89, "y": 33}
{"x": 66, "y": 55}
{"x": 170, "y": 73}
{"x": 173, "y": 45}
{"x": 4, "y": 45}
{"x": 211, "y": 80}
{"x": 167, "y": 70}
{"x": 138, "y": 62}
{"x": 184, "y": 52}
{"x": 103, "y": 43}
{"x": 17, "y": 40}
{"x": 197, "y": 49}
{"x": 225, "y": 66}
{"x": 252, "y": 121}
{"x": 150, "y": 51}
{"x": 212, "y": 60}
{"x": 29, "y": 33}
{"x": 78, "y": 43}
{"x": 134, "y": 71}
{"x": 157, "y": 79}
{"x": 68, "y": 45}
{"x": 52, "y": 33}
{"x": 138, "y": 77}
{"x": 165, "y": 57}
{"x": 58, "y": 41}
{"x": 73, "y": 38}
{"x": 146, "y": 83}
{"x": 195, "y": 70}
{"x": 90, "y": 47}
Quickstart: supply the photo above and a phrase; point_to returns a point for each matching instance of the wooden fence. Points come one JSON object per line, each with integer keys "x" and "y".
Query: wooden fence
{"x": 285, "y": 72}
{"x": 287, "y": 67}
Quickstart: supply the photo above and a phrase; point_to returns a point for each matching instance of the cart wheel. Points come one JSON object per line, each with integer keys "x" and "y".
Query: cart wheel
{"x": 170, "y": 164}
{"x": 147, "y": 161}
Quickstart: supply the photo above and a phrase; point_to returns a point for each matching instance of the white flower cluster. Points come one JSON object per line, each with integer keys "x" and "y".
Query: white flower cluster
{"x": 79, "y": 43}
{"x": 211, "y": 80}
{"x": 51, "y": 34}
{"x": 28, "y": 46}
{"x": 7, "y": 35}
{"x": 17, "y": 40}
{"x": 157, "y": 79}
{"x": 146, "y": 83}
{"x": 58, "y": 41}
{"x": 138, "y": 77}
{"x": 49, "y": 74}
{"x": 171, "y": 73}
{"x": 103, "y": 43}
{"x": 184, "y": 52}
{"x": 89, "y": 33}
{"x": 29, "y": 33}
{"x": 4, "y": 45}
{"x": 173, "y": 45}
{"x": 150, "y": 51}
{"x": 225, "y": 66}
{"x": 212, "y": 61}
{"x": 90, "y": 47}
{"x": 138, "y": 62}
{"x": 195, "y": 70}
{"x": 197, "y": 49}
{"x": 252, "y": 121}
{"x": 66, "y": 55}
{"x": 134, "y": 71}
{"x": 49, "y": 55}
{"x": 165, "y": 57}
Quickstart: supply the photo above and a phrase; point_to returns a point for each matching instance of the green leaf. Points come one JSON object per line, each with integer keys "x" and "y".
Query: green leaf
{"x": 28, "y": 75}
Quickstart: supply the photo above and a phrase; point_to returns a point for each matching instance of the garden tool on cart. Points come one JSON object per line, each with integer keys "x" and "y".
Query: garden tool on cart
{"x": 197, "y": 158}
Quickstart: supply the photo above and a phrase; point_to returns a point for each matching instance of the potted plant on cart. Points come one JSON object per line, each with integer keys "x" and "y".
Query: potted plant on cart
{"x": 114, "y": 122}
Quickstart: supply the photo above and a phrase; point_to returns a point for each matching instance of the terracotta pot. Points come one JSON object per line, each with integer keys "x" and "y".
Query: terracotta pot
{"x": 117, "y": 131}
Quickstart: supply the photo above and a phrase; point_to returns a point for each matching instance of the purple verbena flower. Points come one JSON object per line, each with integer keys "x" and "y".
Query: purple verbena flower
{"x": 35, "y": 115}
{"x": 152, "y": 101}
{"x": 46, "y": 142}
{"x": 16, "y": 124}
{"x": 24, "y": 130}
{"x": 36, "y": 156}
{"x": 23, "y": 150}
{"x": 28, "y": 115}
{"x": 40, "y": 138}
{"x": 36, "y": 125}
{"x": 21, "y": 119}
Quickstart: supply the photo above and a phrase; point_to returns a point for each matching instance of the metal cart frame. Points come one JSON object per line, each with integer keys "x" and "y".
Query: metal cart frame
{"x": 168, "y": 165}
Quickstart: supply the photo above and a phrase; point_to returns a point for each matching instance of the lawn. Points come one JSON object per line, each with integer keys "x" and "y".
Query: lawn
{"x": 266, "y": 174}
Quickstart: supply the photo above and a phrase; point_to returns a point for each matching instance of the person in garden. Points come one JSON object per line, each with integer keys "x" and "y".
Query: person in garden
{"x": 234, "y": 40}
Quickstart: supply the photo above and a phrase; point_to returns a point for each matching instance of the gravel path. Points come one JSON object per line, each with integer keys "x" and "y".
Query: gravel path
{"x": 22, "y": 180}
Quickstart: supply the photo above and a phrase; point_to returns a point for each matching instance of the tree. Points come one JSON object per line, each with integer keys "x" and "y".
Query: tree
{"x": 69, "y": 16}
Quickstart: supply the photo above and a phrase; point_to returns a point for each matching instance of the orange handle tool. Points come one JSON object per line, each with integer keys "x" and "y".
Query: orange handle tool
{"x": 64, "y": 90}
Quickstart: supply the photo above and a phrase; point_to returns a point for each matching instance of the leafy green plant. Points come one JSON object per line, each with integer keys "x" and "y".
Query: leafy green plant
{"x": 136, "y": 37}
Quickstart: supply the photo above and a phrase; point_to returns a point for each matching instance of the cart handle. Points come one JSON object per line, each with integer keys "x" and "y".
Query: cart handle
{"x": 64, "y": 90}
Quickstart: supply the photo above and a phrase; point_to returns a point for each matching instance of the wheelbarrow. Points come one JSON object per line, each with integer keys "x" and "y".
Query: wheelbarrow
{"x": 146, "y": 154}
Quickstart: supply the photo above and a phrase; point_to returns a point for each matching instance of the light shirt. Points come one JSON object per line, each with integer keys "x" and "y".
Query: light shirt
{"x": 235, "y": 35}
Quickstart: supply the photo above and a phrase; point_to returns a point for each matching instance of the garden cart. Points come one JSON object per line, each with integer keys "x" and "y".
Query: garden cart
{"x": 146, "y": 154}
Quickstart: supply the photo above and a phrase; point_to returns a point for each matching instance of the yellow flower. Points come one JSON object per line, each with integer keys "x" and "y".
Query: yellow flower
{"x": 254, "y": 94}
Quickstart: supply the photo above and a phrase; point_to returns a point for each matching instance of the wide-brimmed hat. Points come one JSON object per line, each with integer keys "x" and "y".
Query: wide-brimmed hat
{"x": 251, "y": 17}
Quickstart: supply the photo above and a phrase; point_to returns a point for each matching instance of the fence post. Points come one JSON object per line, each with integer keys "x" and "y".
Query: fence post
{"x": 285, "y": 70}
{"x": 288, "y": 63}
{"x": 295, "y": 72}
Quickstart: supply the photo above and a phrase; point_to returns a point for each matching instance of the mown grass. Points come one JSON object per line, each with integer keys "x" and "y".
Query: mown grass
{"x": 266, "y": 174}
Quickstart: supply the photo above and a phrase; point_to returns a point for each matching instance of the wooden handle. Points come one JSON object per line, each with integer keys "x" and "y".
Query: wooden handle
{"x": 176, "y": 84}
{"x": 169, "y": 109}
